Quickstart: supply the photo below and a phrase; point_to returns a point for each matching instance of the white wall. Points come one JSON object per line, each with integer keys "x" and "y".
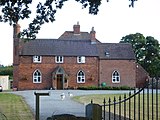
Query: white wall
{"x": 4, "y": 82}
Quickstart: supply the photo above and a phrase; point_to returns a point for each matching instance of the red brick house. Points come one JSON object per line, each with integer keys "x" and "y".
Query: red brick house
{"x": 74, "y": 59}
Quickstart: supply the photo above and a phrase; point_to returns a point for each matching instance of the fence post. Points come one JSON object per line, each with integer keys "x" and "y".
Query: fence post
{"x": 37, "y": 103}
{"x": 143, "y": 105}
{"x": 119, "y": 107}
{"x": 156, "y": 98}
{"x": 148, "y": 100}
{"x": 134, "y": 98}
{"x": 124, "y": 106}
{"x": 129, "y": 106}
{"x": 104, "y": 105}
{"x": 109, "y": 103}
{"x": 139, "y": 108}
{"x": 114, "y": 102}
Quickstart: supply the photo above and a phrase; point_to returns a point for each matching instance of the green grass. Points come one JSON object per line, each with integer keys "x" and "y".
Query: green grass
{"x": 14, "y": 108}
{"x": 98, "y": 99}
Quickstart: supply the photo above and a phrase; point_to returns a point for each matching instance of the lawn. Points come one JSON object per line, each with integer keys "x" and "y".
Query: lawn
{"x": 98, "y": 99}
{"x": 13, "y": 107}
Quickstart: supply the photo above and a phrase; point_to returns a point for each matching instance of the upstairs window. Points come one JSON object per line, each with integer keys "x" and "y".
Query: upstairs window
{"x": 37, "y": 59}
{"x": 37, "y": 77}
{"x": 59, "y": 59}
{"x": 80, "y": 77}
{"x": 81, "y": 59}
{"x": 115, "y": 77}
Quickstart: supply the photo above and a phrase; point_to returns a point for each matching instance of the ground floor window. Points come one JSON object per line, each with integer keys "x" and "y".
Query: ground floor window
{"x": 115, "y": 77}
{"x": 37, "y": 76}
{"x": 80, "y": 77}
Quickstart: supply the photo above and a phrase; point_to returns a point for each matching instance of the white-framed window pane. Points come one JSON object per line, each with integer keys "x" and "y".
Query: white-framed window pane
{"x": 59, "y": 59}
{"x": 37, "y": 77}
{"x": 80, "y": 77}
{"x": 81, "y": 59}
{"x": 115, "y": 77}
{"x": 78, "y": 59}
{"x": 37, "y": 59}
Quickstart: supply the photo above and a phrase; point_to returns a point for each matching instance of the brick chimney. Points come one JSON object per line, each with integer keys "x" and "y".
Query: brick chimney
{"x": 93, "y": 36}
{"x": 16, "y": 30}
{"x": 76, "y": 28}
{"x": 16, "y": 40}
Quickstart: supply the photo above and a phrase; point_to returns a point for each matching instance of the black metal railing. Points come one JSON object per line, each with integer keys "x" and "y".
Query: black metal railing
{"x": 139, "y": 104}
{"x": 2, "y": 116}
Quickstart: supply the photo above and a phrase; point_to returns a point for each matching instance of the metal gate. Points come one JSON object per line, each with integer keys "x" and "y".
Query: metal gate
{"x": 139, "y": 104}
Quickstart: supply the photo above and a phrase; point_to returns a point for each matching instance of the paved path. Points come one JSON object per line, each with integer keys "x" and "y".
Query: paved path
{"x": 53, "y": 104}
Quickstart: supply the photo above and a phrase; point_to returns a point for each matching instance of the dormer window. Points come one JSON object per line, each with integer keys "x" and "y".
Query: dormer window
{"x": 107, "y": 54}
{"x": 37, "y": 59}
{"x": 81, "y": 59}
{"x": 59, "y": 59}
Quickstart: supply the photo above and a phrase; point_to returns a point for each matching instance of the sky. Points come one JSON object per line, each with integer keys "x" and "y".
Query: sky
{"x": 114, "y": 20}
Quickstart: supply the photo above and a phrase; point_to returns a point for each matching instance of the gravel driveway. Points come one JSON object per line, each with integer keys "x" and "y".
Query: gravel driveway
{"x": 53, "y": 104}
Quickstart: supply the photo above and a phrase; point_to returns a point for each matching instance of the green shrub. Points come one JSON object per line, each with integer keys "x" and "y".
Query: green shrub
{"x": 105, "y": 88}
{"x": 126, "y": 88}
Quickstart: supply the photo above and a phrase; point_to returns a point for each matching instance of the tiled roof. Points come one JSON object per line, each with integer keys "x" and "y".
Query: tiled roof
{"x": 59, "y": 47}
{"x": 70, "y": 44}
{"x": 115, "y": 51}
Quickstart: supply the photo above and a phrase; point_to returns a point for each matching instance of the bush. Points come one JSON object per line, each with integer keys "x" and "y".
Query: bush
{"x": 104, "y": 88}
{"x": 88, "y": 88}
{"x": 126, "y": 88}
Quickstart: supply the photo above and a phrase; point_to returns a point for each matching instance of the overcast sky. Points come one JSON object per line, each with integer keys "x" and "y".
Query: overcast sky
{"x": 114, "y": 20}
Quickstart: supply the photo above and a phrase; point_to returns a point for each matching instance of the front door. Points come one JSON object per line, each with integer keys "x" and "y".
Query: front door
{"x": 59, "y": 81}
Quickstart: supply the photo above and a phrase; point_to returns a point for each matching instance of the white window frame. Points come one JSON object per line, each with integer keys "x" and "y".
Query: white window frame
{"x": 37, "y": 76}
{"x": 59, "y": 59}
{"x": 37, "y": 59}
{"x": 80, "y": 77}
{"x": 80, "y": 59}
{"x": 115, "y": 77}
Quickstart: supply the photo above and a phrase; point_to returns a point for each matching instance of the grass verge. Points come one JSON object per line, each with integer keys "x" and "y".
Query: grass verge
{"x": 99, "y": 99}
{"x": 14, "y": 107}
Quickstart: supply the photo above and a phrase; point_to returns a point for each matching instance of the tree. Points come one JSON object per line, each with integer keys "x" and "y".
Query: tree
{"x": 147, "y": 51}
{"x": 138, "y": 42}
{"x": 15, "y": 10}
{"x": 7, "y": 70}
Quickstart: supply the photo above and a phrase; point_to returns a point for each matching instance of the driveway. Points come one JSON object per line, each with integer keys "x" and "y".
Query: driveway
{"x": 53, "y": 104}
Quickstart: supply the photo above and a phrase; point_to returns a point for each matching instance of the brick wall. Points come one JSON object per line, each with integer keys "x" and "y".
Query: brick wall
{"x": 15, "y": 76}
{"x": 47, "y": 67}
{"x": 126, "y": 68}
{"x": 141, "y": 76}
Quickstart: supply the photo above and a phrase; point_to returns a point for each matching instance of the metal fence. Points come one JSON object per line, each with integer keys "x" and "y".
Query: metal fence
{"x": 139, "y": 104}
{"x": 2, "y": 116}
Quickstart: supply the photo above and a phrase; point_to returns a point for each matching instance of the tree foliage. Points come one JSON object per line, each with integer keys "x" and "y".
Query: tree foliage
{"x": 15, "y": 10}
{"x": 147, "y": 51}
{"x": 7, "y": 70}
